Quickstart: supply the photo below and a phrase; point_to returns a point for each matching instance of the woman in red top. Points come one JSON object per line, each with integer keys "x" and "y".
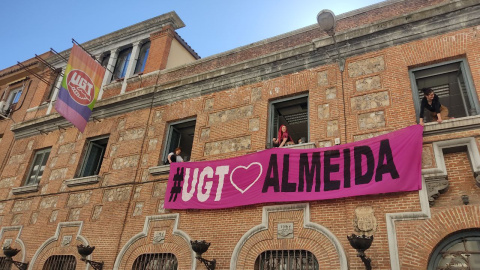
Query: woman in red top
{"x": 283, "y": 137}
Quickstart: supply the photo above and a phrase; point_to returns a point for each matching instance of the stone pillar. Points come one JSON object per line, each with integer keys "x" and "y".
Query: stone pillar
{"x": 131, "y": 64}
{"x": 160, "y": 45}
{"x": 108, "y": 72}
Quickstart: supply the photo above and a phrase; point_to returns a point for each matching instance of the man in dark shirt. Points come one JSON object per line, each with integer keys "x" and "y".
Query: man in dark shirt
{"x": 431, "y": 102}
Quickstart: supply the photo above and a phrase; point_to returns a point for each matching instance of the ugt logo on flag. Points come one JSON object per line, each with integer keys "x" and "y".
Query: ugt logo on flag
{"x": 80, "y": 87}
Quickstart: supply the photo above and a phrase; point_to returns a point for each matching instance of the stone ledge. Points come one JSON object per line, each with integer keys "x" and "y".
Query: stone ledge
{"x": 87, "y": 180}
{"x": 309, "y": 145}
{"x": 158, "y": 170}
{"x": 25, "y": 189}
{"x": 452, "y": 125}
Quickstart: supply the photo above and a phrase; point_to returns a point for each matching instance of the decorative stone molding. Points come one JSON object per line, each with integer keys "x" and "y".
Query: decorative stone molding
{"x": 25, "y": 189}
{"x": 157, "y": 238}
{"x": 318, "y": 230}
{"x": 87, "y": 180}
{"x": 17, "y": 239}
{"x": 436, "y": 179}
{"x": 159, "y": 170}
{"x": 52, "y": 242}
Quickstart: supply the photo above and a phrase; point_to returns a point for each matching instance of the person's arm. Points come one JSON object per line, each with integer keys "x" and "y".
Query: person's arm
{"x": 436, "y": 103}
{"x": 283, "y": 142}
{"x": 169, "y": 157}
{"x": 422, "y": 108}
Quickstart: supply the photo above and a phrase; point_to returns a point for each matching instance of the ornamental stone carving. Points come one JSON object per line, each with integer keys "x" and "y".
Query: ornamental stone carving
{"x": 365, "y": 221}
{"x": 436, "y": 186}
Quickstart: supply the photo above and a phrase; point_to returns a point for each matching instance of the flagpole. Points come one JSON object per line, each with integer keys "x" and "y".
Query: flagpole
{"x": 94, "y": 58}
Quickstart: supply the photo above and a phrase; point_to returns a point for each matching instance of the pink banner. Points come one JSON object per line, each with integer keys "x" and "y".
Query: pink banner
{"x": 384, "y": 164}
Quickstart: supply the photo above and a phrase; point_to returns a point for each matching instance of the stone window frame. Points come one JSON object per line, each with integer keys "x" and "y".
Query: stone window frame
{"x": 168, "y": 135}
{"x": 44, "y": 154}
{"x": 467, "y": 75}
{"x": 448, "y": 242}
{"x": 100, "y": 142}
{"x": 11, "y": 99}
{"x": 271, "y": 106}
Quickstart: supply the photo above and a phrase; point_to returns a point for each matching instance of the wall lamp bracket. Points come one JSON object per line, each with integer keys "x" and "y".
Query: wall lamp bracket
{"x": 11, "y": 252}
{"x": 85, "y": 251}
{"x": 362, "y": 243}
{"x": 200, "y": 247}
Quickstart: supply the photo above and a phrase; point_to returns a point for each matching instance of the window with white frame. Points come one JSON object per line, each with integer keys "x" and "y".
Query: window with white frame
{"x": 291, "y": 112}
{"x": 142, "y": 57}
{"x": 452, "y": 82}
{"x": 12, "y": 99}
{"x": 37, "y": 167}
{"x": 57, "y": 78}
{"x": 180, "y": 134}
{"x": 92, "y": 160}
{"x": 121, "y": 66}
{"x": 286, "y": 260}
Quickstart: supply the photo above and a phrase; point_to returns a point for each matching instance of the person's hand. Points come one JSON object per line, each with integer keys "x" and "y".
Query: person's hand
{"x": 421, "y": 122}
{"x": 439, "y": 119}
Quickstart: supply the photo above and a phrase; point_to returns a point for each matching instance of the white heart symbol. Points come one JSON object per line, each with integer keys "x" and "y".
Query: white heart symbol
{"x": 246, "y": 168}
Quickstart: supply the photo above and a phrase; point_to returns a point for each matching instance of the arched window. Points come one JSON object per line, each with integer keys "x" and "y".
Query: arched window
{"x": 122, "y": 63}
{"x": 142, "y": 57}
{"x": 155, "y": 261}
{"x": 60, "y": 262}
{"x": 458, "y": 251}
{"x": 286, "y": 260}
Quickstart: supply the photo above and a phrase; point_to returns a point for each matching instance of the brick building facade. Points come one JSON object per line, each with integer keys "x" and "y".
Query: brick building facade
{"x": 157, "y": 93}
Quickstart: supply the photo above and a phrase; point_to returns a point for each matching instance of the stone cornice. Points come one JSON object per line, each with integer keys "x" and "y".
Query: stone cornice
{"x": 145, "y": 28}
{"x": 374, "y": 37}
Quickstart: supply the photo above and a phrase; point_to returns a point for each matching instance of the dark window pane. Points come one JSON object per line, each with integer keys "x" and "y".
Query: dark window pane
{"x": 122, "y": 63}
{"x": 93, "y": 158}
{"x": 286, "y": 260}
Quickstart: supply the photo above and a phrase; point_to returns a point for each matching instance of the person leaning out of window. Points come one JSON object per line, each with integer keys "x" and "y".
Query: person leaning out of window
{"x": 175, "y": 156}
{"x": 431, "y": 102}
{"x": 283, "y": 139}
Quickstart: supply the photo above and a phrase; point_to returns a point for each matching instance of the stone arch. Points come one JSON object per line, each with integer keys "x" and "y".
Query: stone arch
{"x": 6, "y": 235}
{"x": 307, "y": 235}
{"x": 64, "y": 241}
{"x": 172, "y": 240}
{"x": 425, "y": 237}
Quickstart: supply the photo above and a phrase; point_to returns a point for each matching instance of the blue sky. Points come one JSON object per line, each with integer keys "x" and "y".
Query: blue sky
{"x": 30, "y": 27}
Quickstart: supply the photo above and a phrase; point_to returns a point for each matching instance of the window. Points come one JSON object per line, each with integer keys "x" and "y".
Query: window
{"x": 458, "y": 251}
{"x": 291, "y": 112}
{"x": 122, "y": 64}
{"x": 452, "y": 82}
{"x": 37, "y": 167}
{"x": 142, "y": 57}
{"x": 286, "y": 260}
{"x": 180, "y": 134}
{"x": 5, "y": 264}
{"x": 12, "y": 99}
{"x": 58, "y": 77}
{"x": 155, "y": 261}
{"x": 60, "y": 262}
{"x": 92, "y": 160}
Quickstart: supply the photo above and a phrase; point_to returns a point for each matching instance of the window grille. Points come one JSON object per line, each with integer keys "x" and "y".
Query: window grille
{"x": 460, "y": 251}
{"x": 286, "y": 260}
{"x": 60, "y": 262}
{"x": 156, "y": 261}
{"x": 5, "y": 264}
